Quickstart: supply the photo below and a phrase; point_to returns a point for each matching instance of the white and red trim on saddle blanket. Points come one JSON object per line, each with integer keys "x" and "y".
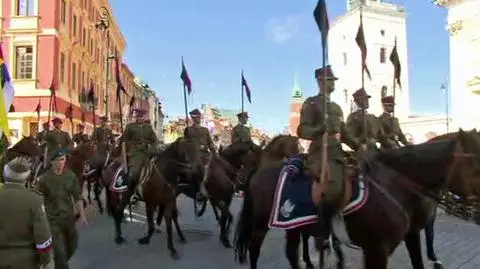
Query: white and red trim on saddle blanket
{"x": 293, "y": 206}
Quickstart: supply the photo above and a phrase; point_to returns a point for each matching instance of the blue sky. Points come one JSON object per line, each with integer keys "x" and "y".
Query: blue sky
{"x": 271, "y": 40}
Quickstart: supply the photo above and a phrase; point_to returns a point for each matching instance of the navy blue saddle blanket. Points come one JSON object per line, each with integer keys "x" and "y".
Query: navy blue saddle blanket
{"x": 293, "y": 206}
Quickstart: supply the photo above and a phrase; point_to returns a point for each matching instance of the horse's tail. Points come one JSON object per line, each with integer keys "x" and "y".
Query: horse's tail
{"x": 244, "y": 229}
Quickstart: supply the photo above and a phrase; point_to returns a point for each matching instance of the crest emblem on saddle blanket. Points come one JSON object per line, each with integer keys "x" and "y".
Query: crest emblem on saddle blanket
{"x": 287, "y": 208}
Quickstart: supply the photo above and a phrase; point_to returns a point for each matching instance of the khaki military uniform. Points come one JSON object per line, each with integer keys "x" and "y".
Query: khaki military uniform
{"x": 202, "y": 136}
{"x": 41, "y": 139}
{"x": 80, "y": 138}
{"x": 25, "y": 238}
{"x": 140, "y": 140}
{"x": 241, "y": 133}
{"x": 374, "y": 132}
{"x": 60, "y": 192}
{"x": 312, "y": 126}
{"x": 58, "y": 139}
{"x": 392, "y": 130}
{"x": 103, "y": 138}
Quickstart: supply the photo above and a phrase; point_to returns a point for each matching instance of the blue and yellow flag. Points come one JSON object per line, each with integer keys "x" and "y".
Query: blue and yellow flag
{"x": 6, "y": 96}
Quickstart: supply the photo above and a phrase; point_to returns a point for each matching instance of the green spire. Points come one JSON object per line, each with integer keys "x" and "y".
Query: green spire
{"x": 296, "y": 92}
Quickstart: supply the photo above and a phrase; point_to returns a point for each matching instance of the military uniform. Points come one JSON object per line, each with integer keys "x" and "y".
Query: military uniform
{"x": 312, "y": 126}
{"x": 60, "y": 191}
{"x": 25, "y": 238}
{"x": 80, "y": 138}
{"x": 241, "y": 133}
{"x": 390, "y": 125}
{"x": 102, "y": 137}
{"x": 58, "y": 139}
{"x": 356, "y": 124}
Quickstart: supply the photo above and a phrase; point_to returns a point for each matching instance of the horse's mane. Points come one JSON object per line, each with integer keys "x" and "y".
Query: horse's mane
{"x": 274, "y": 142}
{"x": 425, "y": 162}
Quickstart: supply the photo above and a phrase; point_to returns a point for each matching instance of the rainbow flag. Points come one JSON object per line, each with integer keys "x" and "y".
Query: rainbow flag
{"x": 6, "y": 96}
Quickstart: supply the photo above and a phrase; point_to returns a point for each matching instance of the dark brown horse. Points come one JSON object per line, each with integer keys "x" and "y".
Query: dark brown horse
{"x": 401, "y": 185}
{"x": 157, "y": 186}
{"x": 26, "y": 147}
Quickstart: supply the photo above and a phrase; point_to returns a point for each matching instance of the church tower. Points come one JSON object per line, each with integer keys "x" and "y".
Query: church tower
{"x": 382, "y": 24}
{"x": 295, "y": 107}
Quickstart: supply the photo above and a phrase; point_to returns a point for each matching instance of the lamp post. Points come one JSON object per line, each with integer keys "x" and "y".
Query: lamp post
{"x": 104, "y": 24}
{"x": 444, "y": 89}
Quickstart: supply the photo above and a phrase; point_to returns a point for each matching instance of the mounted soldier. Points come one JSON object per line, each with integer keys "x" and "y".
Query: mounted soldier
{"x": 241, "y": 133}
{"x": 363, "y": 126}
{"x": 57, "y": 138}
{"x": 80, "y": 137}
{"x": 390, "y": 124}
{"x": 41, "y": 135}
{"x": 25, "y": 238}
{"x": 312, "y": 127}
{"x": 203, "y": 138}
{"x": 141, "y": 143}
{"x": 62, "y": 192}
{"x": 103, "y": 139}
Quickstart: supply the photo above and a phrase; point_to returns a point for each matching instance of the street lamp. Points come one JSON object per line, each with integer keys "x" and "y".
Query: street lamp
{"x": 104, "y": 24}
{"x": 444, "y": 89}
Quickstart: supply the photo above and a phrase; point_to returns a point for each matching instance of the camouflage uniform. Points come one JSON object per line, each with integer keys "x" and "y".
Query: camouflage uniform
{"x": 58, "y": 139}
{"x": 356, "y": 124}
{"x": 312, "y": 126}
{"x": 390, "y": 125}
{"x": 203, "y": 138}
{"x": 60, "y": 192}
{"x": 25, "y": 238}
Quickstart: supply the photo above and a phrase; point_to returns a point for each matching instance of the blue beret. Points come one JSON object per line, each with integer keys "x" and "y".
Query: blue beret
{"x": 59, "y": 153}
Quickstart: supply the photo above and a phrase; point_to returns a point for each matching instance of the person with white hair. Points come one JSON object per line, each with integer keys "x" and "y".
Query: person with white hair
{"x": 25, "y": 237}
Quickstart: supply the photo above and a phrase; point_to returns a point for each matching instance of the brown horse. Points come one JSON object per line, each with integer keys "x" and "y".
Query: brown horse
{"x": 401, "y": 184}
{"x": 26, "y": 147}
{"x": 157, "y": 186}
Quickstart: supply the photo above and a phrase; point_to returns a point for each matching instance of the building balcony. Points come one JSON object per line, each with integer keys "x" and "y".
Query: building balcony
{"x": 23, "y": 24}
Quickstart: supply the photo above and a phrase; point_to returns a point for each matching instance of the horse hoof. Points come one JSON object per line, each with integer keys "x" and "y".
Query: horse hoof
{"x": 144, "y": 241}
{"x": 182, "y": 240}
{"x": 226, "y": 243}
{"x": 438, "y": 266}
{"x": 120, "y": 240}
{"x": 174, "y": 254}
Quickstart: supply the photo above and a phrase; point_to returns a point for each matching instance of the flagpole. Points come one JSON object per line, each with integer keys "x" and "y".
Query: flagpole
{"x": 363, "y": 84}
{"x": 242, "y": 94}
{"x": 185, "y": 104}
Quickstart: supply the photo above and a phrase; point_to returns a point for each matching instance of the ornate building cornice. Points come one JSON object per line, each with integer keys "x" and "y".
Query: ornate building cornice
{"x": 455, "y": 27}
{"x": 447, "y": 3}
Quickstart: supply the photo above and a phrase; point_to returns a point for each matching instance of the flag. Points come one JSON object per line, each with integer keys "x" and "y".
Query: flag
{"x": 11, "y": 109}
{"x": 38, "y": 109}
{"x": 120, "y": 87}
{"x": 186, "y": 78}
{"x": 321, "y": 18}
{"x": 397, "y": 68}
{"x": 69, "y": 112}
{"x": 247, "y": 89}
{"x": 91, "y": 94}
{"x": 360, "y": 39}
{"x": 6, "y": 97}
{"x": 53, "y": 97}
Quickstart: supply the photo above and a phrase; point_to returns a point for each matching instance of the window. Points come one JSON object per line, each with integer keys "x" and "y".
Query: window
{"x": 84, "y": 36}
{"x": 63, "y": 11}
{"x": 74, "y": 76}
{"x": 62, "y": 67}
{"x": 25, "y": 8}
{"x": 74, "y": 25}
{"x": 33, "y": 128}
{"x": 83, "y": 79}
{"x": 24, "y": 62}
{"x": 383, "y": 55}
{"x": 384, "y": 91}
{"x": 345, "y": 61}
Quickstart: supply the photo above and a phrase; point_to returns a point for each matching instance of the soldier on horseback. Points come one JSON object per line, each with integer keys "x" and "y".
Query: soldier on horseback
{"x": 363, "y": 126}
{"x": 41, "y": 135}
{"x": 202, "y": 136}
{"x": 312, "y": 126}
{"x": 241, "y": 133}
{"x": 57, "y": 138}
{"x": 141, "y": 143}
{"x": 103, "y": 138}
{"x": 390, "y": 124}
{"x": 80, "y": 137}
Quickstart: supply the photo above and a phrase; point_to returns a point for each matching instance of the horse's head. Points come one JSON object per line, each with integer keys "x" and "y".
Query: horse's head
{"x": 27, "y": 146}
{"x": 282, "y": 146}
{"x": 85, "y": 151}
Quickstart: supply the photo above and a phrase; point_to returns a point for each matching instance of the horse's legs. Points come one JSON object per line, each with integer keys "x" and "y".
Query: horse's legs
{"x": 225, "y": 222}
{"x": 161, "y": 211}
{"x": 429, "y": 237}
{"x": 215, "y": 211}
{"x": 117, "y": 213}
{"x": 168, "y": 221}
{"x": 412, "y": 242}
{"x": 258, "y": 236}
{"x": 150, "y": 210}
{"x": 180, "y": 234}
{"x": 305, "y": 251}
{"x": 375, "y": 257}
{"x": 89, "y": 190}
{"x": 337, "y": 247}
{"x": 291, "y": 248}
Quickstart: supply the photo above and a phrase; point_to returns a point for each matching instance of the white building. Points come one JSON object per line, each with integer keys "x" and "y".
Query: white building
{"x": 463, "y": 24}
{"x": 382, "y": 24}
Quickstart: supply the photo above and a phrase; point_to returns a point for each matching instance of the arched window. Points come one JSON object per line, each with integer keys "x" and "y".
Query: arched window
{"x": 383, "y": 55}
{"x": 383, "y": 93}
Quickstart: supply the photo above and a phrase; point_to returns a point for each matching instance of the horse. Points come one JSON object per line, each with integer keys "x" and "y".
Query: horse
{"x": 399, "y": 184}
{"x": 157, "y": 186}
{"x": 26, "y": 147}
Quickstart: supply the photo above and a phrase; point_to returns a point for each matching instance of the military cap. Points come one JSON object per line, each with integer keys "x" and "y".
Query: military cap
{"x": 139, "y": 111}
{"x": 57, "y": 120}
{"x": 242, "y": 115}
{"x": 388, "y": 100}
{"x": 320, "y": 73}
{"x": 360, "y": 94}
{"x": 46, "y": 124}
{"x": 195, "y": 113}
{"x": 59, "y": 153}
{"x": 17, "y": 170}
